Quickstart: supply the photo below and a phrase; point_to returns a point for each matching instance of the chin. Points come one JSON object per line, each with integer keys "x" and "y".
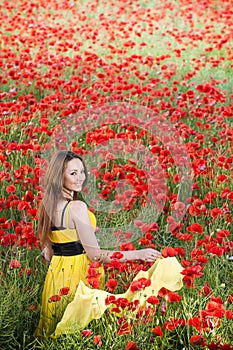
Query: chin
{"x": 78, "y": 189}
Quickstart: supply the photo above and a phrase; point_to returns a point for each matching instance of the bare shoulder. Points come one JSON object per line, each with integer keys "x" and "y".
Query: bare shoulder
{"x": 78, "y": 206}
{"x": 79, "y": 212}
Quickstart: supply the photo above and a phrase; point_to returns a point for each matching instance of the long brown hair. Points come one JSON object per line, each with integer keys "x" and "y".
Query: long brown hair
{"x": 53, "y": 186}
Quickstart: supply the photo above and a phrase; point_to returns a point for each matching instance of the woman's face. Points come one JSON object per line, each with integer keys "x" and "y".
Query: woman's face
{"x": 74, "y": 175}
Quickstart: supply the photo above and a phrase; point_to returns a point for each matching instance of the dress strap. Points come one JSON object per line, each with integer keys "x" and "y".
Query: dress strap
{"x": 63, "y": 212}
{"x": 67, "y": 214}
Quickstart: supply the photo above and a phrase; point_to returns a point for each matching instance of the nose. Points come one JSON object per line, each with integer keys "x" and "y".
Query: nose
{"x": 81, "y": 176}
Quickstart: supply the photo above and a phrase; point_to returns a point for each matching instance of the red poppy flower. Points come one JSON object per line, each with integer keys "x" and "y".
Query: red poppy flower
{"x": 23, "y": 205}
{"x": 210, "y": 196}
{"x": 174, "y": 323}
{"x": 8, "y": 240}
{"x": 139, "y": 284}
{"x": 108, "y": 177}
{"x": 195, "y": 228}
{"x": 64, "y": 291}
{"x": 194, "y": 271}
{"x": 197, "y": 340}
{"x": 14, "y": 264}
{"x": 93, "y": 272}
{"x": 116, "y": 255}
{"x": 111, "y": 284}
{"x": 169, "y": 295}
{"x": 157, "y": 331}
{"x": 97, "y": 340}
{"x": 153, "y": 300}
{"x": 230, "y": 298}
{"x": 196, "y": 322}
{"x": 86, "y": 333}
{"x": 124, "y": 328}
{"x": 219, "y": 346}
{"x": 32, "y": 307}
{"x": 127, "y": 246}
{"x": 216, "y": 213}
{"x": 110, "y": 300}
{"x": 188, "y": 237}
{"x": 169, "y": 251}
{"x": 229, "y": 314}
{"x": 197, "y": 208}
{"x": 122, "y": 302}
{"x": 131, "y": 346}
{"x": 94, "y": 282}
{"x": 25, "y": 271}
{"x": 95, "y": 264}
{"x": 206, "y": 290}
{"x": 54, "y": 298}
{"x": 11, "y": 189}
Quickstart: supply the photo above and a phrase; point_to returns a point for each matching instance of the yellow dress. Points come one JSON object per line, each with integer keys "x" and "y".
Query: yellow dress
{"x": 63, "y": 275}
{"x": 82, "y": 304}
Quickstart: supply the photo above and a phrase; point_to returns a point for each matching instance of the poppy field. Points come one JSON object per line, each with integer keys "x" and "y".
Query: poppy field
{"x": 143, "y": 90}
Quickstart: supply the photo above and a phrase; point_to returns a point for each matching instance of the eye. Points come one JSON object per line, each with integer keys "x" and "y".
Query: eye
{"x": 73, "y": 173}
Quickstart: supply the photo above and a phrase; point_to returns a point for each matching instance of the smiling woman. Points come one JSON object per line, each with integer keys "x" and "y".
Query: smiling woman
{"x": 67, "y": 232}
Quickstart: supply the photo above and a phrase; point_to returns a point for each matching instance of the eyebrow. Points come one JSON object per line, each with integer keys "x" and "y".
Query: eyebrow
{"x": 75, "y": 169}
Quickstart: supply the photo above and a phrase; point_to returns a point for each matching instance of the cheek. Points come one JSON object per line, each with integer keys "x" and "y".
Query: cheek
{"x": 66, "y": 180}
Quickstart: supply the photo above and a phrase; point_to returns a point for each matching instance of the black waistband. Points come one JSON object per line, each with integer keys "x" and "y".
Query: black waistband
{"x": 68, "y": 249}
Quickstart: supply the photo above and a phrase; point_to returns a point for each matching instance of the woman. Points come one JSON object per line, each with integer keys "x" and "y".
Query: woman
{"x": 67, "y": 233}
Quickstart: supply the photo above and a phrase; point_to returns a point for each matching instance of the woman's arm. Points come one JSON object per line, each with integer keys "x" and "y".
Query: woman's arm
{"x": 47, "y": 252}
{"x": 80, "y": 217}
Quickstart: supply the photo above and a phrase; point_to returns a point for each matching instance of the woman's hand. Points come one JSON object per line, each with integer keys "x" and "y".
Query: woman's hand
{"x": 149, "y": 254}
{"x": 47, "y": 253}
